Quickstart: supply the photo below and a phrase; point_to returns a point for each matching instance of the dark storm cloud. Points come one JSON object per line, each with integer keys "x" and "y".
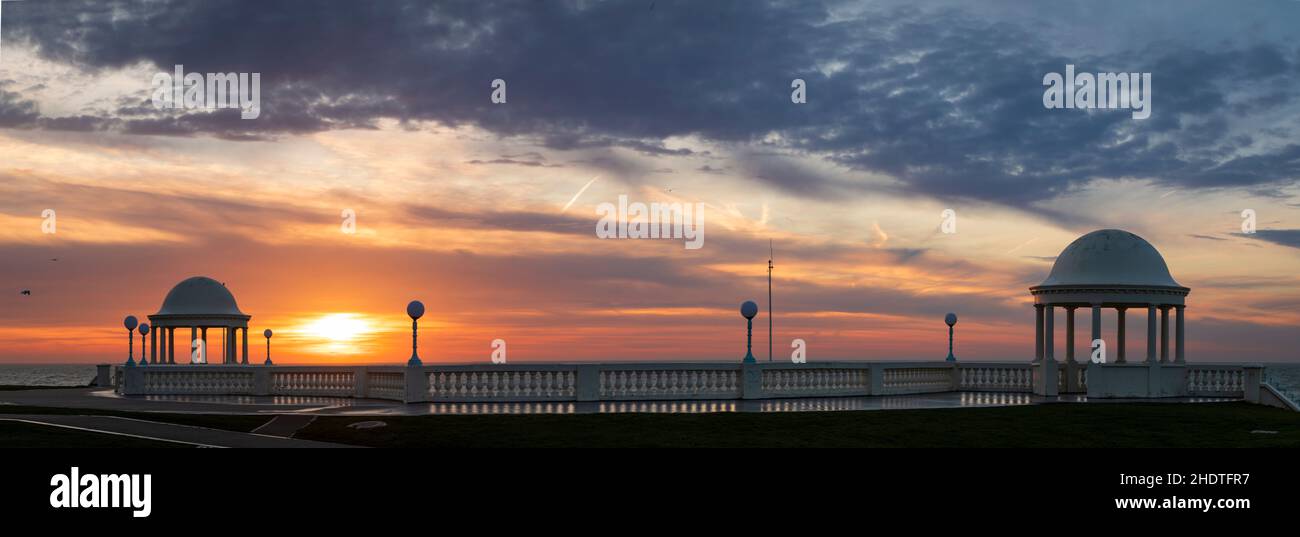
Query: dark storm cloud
{"x": 943, "y": 100}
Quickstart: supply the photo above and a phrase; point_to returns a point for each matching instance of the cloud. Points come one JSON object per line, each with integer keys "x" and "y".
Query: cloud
{"x": 946, "y": 101}
{"x": 1284, "y": 237}
{"x": 529, "y": 163}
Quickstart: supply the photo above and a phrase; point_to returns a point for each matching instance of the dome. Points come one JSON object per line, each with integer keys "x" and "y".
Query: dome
{"x": 199, "y": 296}
{"x": 1110, "y": 257}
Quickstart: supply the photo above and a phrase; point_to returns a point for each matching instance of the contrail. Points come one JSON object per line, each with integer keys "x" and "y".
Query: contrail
{"x": 575, "y": 196}
{"x": 1022, "y": 245}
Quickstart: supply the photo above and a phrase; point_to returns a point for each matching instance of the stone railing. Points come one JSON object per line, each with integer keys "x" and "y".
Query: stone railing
{"x": 1216, "y": 380}
{"x": 575, "y": 382}
{"x": 385, "y": 384}
{"x": 684, "y": 381}
{"x": 500, "y": 383}
{"x": 313, "y": 382}
{"x": 231, "y": 379}
{"x": 1279, "y": 390}
{"x": 816, "y": 379}
{"x": 979, "y": 377}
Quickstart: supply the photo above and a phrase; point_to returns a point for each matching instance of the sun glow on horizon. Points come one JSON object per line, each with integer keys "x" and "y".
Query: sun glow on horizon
{"x": 336, "y": 333}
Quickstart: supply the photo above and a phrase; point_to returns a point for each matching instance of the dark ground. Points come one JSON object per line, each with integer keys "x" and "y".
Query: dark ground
{"x": 1050, "y": 425}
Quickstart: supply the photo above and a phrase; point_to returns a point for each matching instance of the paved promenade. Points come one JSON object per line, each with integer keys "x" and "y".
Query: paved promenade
{"x": 105, "y": 399}
{"x": 168, "y": 432}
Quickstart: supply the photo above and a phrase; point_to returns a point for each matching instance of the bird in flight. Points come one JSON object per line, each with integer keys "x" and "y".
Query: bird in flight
{"x": 26, "y": 292}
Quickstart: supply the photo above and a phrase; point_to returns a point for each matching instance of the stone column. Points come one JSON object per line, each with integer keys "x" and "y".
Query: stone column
{"x": 1119, "y": 336}
{"x": 1164, "y": 334}
{"x": 1038, "y": 332}
{"x": 1096, "y": 325}
{"x": 153, "y": 344}
{"x": 1069, "y": 334}
{"x": 1049, "y": 334}
{"x": 203, "y": 334}
{"x": 245, "y": 332}
{"x": 171, "y": 344}
{"x": 1071, "y": 367}
{"x": 1151, "y": 333}
{"x": 1178, "y": 339}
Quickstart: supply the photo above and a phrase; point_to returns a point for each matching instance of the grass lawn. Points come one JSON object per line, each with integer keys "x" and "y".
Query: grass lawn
{"x": 1055, "y": 425}
{"x": 29, "y": 435}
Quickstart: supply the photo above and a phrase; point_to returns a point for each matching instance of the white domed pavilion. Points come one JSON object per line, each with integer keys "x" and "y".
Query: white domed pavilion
{"x": 1108, "y": 269}
{"x": 199, "y": 303}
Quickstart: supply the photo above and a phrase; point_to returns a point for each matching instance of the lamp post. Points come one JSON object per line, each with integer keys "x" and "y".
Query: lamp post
{"x": 267, "y": 334}
{"x": 749, "y": 309}
{"x": 950, "y": 319}
{"x": 144, "y": 331}
{"x": 130, "y": 323}
{"x": 415, "y": 310}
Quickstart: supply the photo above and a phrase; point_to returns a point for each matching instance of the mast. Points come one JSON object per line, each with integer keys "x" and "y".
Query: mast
{"x": 769, "y": 300}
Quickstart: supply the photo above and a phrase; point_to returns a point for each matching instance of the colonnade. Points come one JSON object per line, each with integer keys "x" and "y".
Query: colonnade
{"x": 1045, "y": 332}
{"x": 231, "y": 348}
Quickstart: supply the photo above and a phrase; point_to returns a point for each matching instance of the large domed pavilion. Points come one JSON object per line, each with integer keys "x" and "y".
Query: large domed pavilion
{"x": 199, "y": 303}
{"x": 1109, "y": 269}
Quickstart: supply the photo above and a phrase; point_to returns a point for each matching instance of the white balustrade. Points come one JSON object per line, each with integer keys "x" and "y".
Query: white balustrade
{"x": 634, "y": 381}
{"x": 1215, "y": 381}
{"x": 162, "y": 381}
{"x": 386, "y": 385}
{"x": 810, "y": 381}
{"x": 312, "y": 382}
{"x": 983, "y": 377}
{"x": 917, "y": 379}
{"x": 502, "y": 384}
{"x": 679, "y": 381}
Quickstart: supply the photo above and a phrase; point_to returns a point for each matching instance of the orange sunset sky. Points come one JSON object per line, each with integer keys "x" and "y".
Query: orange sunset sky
{"x": 461, "y": 203}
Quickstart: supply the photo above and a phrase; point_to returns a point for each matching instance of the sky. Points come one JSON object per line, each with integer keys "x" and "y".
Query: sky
{"x": 488, "y": 211}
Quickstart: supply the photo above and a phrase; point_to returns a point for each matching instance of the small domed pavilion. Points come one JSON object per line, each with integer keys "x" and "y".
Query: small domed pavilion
{"x": 1108, "y": 269}
{"x": 199, "y": 303}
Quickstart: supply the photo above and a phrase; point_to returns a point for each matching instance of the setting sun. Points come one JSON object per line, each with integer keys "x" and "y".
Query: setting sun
{"x": 336, "y": 333}
{"x": 338, "y": 327}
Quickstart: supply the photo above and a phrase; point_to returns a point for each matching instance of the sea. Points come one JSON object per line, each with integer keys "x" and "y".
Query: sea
{"x": 46, "y": 374}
